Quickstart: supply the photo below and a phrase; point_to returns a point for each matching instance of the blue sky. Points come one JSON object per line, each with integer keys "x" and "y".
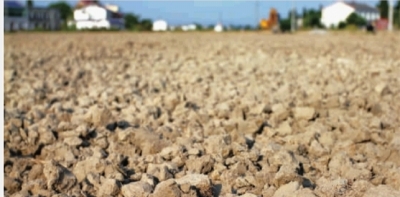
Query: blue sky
{"x": 238, "y": 12}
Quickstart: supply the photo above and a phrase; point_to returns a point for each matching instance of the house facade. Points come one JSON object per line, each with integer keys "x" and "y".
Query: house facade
{"x": 44, "y": 18}
{"x": 92, "y": 15}
{"x": 160, "y": 25}
{"x": 218, "y": 27}
{"x": 18, "y": 17}
{"x": 191, "y": 27}
{"x": 15, "y": 16}
{"x": 338, "y": 12}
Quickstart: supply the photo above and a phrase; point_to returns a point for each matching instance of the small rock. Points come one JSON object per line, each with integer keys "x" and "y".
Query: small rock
{"x": 304, "y": 192}
{"x": 136, "y": 189}
{"x": 201, "y": 165}
{"x": 168, "y": 188}
{"x": 58, "y": 177}
{"x": 284, "y": 129}
{"x": 286, "y": 174}
{"x": 99, "y": 116}
{"x": 337, "y": 187}
{"x": 248, "y": 195}
{"x": 82, "y": 168}
{"x": 200, "y": 181}
{"x": 287, "y": 190}
{"x": 382, "y": 190}
{"x": 306, "y": 113}
{"x": 11, "y": 185}
{"x": 73, "y": 141}
{"x": 108, "y": 187}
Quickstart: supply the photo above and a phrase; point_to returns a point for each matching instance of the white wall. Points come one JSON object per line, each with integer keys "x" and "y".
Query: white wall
{"x": 160, "y": 25}
{"x": 335, "y": 13}
{"x": 90, "y": 13}
{"x": 218, "y": 28}
{"x": 93, "y": 16}
{"x": 92, "y": 24}
{"x": 18, "y": 23}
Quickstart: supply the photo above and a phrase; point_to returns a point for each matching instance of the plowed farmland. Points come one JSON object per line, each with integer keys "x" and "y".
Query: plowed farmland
{"x": 201, "y": 114}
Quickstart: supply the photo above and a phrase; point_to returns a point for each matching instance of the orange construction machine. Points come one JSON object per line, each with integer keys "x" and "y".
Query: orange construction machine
{"x": 272, "y": 23}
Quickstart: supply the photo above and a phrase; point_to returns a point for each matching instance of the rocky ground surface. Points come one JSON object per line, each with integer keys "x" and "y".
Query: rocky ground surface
{"x": 201, "y": 114}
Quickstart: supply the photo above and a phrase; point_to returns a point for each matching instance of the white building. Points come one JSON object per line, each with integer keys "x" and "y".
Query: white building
{"x": 94, "y": 16}
{"x": 190, "y": 27}
{"x": 15, "y": 16}
{"x": 160, "y": 25}
{"x": 338, "y": 12}
{"x": 218, "y": 28}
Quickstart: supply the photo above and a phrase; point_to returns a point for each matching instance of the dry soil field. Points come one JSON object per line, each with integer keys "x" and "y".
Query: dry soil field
{"x": 201, "y": 114}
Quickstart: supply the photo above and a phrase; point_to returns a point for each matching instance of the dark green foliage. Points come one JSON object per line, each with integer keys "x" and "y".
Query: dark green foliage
{"x": 342, "y": 25}
{"x": 396, "y": 15}
{"x": 146, "y": 25}
{"x": 247, "y": 27}
{"x": 383, "y": 7}
{"x": 355, "y": 19}
{"x": 29, "y": 3}
{"x": 65, "y": 11}
{"x": 14, "y": 12}
{"x": 199, "y": 26}
{"x": 131, "y": 21}
{"x": 311, "y": 18}
{"x": 285, "y": 25}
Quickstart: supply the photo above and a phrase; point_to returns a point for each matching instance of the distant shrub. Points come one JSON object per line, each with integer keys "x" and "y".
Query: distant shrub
{"x": 351, "y": 27}
{"x": 342, "y": 25}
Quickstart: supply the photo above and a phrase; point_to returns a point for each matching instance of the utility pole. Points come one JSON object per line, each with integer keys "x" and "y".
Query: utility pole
{"x": 390, "y": 25}
{"x": 293, "y": 17}
{"x": 257, "y": 13}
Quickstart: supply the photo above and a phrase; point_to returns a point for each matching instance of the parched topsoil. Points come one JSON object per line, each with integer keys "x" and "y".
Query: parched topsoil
{"x": 201, "y": 114}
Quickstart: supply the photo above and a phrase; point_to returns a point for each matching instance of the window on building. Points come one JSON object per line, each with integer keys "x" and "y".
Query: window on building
{"x": 14, "y": 12}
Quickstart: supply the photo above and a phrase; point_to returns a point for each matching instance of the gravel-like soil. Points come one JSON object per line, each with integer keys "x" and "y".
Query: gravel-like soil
{"x": 201, "y": 114}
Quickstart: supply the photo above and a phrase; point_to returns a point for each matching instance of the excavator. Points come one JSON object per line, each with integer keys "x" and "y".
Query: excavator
{"x": 272, "y": 23}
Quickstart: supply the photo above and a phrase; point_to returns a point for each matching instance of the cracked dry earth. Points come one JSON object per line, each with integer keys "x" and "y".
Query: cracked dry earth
{"x": 201, "y": 114}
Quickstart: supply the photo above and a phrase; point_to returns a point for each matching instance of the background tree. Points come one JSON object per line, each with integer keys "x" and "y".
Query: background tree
{"x": 342, "y": 25}
{"x": 311, "y": 18}
{"x": 131, "y": 21}
{"x": 396, "y": 15}
{"x": 199, "y": 26}
{"x": 29, "y": 3}
{"x": 383, "y": 7}
{"x": 285, "y": 25}
{"x": 146, "y": 25}
{"x": 247, "y": 27}
{"x": 64, "y": 8}
{"x": 355, "y": 19}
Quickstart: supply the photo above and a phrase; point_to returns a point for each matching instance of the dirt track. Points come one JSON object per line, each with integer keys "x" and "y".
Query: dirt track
{"x": 186, "y": 114}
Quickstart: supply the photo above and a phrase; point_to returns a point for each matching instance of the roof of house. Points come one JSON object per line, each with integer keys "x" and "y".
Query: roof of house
{"x": 361, "y": 7}
{"x": 83, "y": 3}
{"x": 13, "y": 4}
